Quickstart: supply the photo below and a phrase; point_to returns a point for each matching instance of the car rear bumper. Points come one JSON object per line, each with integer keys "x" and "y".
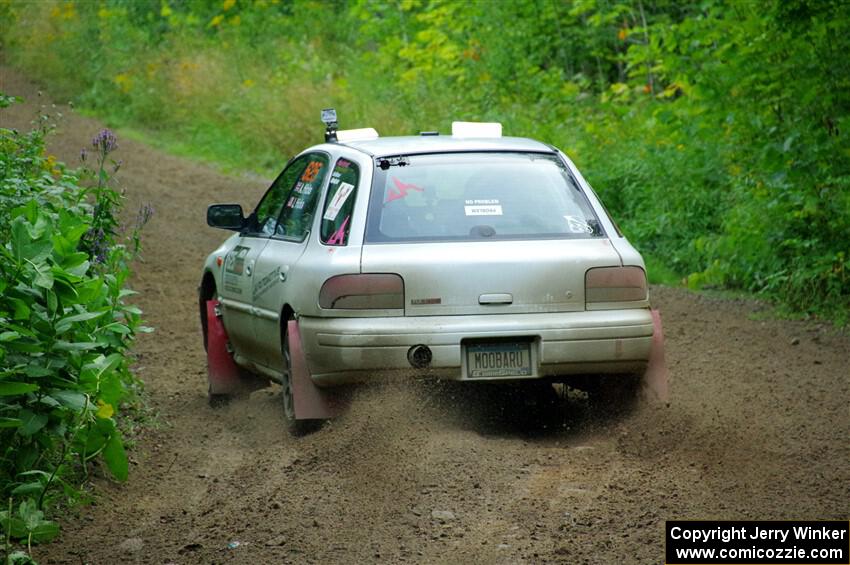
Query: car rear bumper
{"x": 344, "y": 350}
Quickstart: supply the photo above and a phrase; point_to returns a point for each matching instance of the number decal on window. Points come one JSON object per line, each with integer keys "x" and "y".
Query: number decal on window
{"x": 311, "y": 171}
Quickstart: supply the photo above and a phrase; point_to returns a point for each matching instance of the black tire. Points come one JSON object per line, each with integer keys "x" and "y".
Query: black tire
{"x": 295, "y": 427}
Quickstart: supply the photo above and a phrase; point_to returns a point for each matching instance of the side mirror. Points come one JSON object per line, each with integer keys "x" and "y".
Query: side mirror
{"x": 225, "y": 216}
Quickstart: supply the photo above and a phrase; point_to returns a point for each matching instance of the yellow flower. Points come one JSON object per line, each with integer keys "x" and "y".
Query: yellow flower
{"x": 228, "y": 4}
{"x": 165, "y": 11}
{"x": 235, "y": 20}
{"x": 50, "y": 165}
{"x": 69, "y": 13}
{"x": 216, "y": 21}
{"x": 104, "y": 410}
{"x": 248, "y": 83}
{"x": 124, "y": 82}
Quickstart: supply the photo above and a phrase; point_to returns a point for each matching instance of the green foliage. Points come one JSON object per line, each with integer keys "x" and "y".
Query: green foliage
{"x": 65, "y": 328}
{"x": 27, "y": 522}
{"x": 716, "y": 132}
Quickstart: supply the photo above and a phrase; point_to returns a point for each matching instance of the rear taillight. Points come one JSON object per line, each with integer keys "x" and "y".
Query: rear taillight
{"x": 615, "y": 284}
{"x": 362, "y": 292}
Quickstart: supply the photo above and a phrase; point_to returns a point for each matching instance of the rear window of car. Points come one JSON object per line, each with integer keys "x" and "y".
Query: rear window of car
{"x": 477, "y": 196}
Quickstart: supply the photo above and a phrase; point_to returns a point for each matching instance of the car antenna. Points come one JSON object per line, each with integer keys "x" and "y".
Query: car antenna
{"x": 331, "y": 125}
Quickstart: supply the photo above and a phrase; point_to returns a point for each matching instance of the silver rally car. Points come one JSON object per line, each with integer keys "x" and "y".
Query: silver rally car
{"x": 470, "y": 257}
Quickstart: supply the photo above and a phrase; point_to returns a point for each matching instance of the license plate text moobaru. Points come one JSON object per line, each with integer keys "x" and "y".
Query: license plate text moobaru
{"x": 499, "y": 360}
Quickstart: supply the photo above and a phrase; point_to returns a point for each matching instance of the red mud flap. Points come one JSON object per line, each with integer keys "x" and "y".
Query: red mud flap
{"x": 222, "y": 372}
{"x": 310, "y": 402}
{"x": 655, "y": 386}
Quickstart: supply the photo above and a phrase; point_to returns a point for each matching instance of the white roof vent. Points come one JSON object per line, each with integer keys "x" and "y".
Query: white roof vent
{"x": 476, "y": 129}
{"x": 361, "y": 134}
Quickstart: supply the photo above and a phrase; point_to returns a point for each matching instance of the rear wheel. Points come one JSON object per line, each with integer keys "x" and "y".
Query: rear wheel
{"x": 286, "y": 383}
{"x": 296, "y": 427}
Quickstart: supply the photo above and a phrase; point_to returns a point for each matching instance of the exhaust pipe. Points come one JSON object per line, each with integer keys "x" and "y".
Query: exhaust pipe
{"x": 419, "y": 356}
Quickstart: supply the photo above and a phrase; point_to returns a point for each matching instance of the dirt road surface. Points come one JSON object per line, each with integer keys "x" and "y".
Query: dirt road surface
{"x": 757, "y": 427}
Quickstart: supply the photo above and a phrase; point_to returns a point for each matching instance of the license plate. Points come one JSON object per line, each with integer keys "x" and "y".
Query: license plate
{"x": 498, "y": 359}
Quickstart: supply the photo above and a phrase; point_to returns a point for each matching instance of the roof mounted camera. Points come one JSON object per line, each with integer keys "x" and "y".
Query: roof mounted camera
{"x": 331, "y": 125}
{"x": 333, "y": 134}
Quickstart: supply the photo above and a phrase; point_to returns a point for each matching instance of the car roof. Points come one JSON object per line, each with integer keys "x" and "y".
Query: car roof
{"x": 412, "y": 144}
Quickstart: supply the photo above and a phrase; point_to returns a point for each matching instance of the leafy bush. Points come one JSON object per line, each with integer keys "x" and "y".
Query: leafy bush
{"x": 65, "y": 328}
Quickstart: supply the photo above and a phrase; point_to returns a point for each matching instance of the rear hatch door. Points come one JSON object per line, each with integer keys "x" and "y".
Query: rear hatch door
{"x": 483, "y": 232}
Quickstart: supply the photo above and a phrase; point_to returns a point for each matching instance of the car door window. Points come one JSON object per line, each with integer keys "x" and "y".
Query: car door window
{"x": 339, "y": 204}
{"x": 265, "y": 221}
{"x": 299, "y": 206}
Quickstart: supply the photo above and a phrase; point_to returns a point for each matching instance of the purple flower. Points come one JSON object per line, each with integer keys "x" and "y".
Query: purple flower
{"x": 105, "y": 141}
{"x": 98, "y": 244}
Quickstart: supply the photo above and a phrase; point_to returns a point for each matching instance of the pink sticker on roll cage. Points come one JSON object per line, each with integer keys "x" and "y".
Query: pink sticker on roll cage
{"x": 402, "y": 191}
{"x": 338, "y": 238}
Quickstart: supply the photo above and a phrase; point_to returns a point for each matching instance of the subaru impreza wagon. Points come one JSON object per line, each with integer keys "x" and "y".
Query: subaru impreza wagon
{"x": 470, "y": 256}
